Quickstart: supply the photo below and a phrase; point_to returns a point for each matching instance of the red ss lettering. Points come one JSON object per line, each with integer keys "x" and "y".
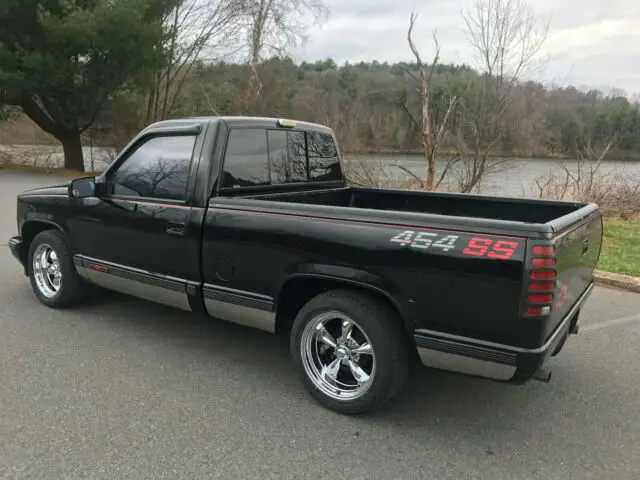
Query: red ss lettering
{"x": 477, "y": 247}
{"x": 503, "y": 250}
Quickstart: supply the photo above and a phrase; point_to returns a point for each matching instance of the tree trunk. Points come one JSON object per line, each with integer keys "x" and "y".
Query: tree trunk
{"x": 73, "y": 156}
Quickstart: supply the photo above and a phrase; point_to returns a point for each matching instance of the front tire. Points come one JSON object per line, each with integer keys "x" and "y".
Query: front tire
{"x": 350, "y": 351}
{"x": 53, "y": 276}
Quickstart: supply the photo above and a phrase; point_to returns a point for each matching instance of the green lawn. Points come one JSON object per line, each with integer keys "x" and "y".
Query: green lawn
{"x": 621, "y": 247}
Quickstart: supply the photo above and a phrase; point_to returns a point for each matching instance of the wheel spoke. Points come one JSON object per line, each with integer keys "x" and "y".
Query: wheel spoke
{"x": 365, "y": 348}
{"x": 347, "y": 328}
{"x": 325, "y": 337}
{"x": 46, "y": 271}
{"x": 331, "y": 370}
{"x": 360, "y": 375}
{"x": 332, "y": 346}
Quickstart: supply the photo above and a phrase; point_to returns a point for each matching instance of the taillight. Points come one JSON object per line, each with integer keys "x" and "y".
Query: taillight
{"x": 540, "y": 284}
{"x": 543, "y": 250}
{"x": 543, "y": 262}
{"x": 548, "y": 298}
{"x": 542, "y": 274}
{"x": 538, "y": 311}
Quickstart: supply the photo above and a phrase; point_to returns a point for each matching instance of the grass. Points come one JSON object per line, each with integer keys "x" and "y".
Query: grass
{"x": 621, "y": 247}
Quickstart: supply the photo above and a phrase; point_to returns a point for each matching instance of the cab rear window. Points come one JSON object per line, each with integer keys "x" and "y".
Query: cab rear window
{"x": 257, "y": 157}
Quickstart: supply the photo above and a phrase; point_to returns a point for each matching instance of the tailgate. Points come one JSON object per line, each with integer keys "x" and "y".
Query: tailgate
{"x": 577, "y": 252}
{"x": 565, "y": 265}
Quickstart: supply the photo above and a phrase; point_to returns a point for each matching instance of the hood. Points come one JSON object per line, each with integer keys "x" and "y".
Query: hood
{"x": 62, "y": 189}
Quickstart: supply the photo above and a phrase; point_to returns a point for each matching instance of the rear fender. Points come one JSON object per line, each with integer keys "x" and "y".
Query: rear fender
{"x": 322, "y": 277}
{"x": 347, "y": 274}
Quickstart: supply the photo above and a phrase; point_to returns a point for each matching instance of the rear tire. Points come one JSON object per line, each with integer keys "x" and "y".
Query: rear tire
{"x": 53, "y": 276}
{"x": 350, "y": 351}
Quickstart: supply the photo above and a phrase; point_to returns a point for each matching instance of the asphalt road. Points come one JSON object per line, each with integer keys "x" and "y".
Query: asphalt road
{"x": 126, "y": 389}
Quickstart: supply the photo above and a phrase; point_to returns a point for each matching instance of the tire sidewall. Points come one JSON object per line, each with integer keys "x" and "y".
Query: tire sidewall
{"x": 55, "y": 240}
{"x": 372, "y": 320}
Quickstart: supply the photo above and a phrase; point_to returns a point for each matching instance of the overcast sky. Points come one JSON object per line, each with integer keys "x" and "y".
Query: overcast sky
{"x": 592, "y": 43}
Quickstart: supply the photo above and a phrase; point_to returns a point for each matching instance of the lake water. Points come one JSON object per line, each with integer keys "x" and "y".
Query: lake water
{"x": 516, "y": 178}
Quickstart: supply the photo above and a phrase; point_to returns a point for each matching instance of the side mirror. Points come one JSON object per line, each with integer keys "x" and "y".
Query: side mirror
{"x": 83, "y": 187}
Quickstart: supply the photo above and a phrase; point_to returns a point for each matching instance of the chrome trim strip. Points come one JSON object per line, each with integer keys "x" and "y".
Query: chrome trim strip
{"x": 237, "y": 292}
{"x": 156, "y": 288}
{"x": 136, "y": 274}
{"x": 466, "y": 350}
{"x": 461, "y": 364}
{"x": 559, "y": 329}
{"x": 192, "y": 287}
{"x": 238, "y": 297}
{"x": 242, "y": 315}
{"x": 46, "y": 195}
{"x": 153, "y": 293}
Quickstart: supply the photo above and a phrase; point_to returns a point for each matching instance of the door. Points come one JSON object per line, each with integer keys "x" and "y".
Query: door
{"x": 132, "y": 238}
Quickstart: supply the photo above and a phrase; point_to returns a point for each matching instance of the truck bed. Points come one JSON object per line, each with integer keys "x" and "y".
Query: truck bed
{"x": 505, "y": 209}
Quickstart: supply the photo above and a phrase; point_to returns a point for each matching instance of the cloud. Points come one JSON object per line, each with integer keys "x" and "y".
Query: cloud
{"x": 590, "y": 42}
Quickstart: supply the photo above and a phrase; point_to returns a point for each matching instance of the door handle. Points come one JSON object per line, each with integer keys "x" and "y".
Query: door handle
{"x": 176, "y": 229}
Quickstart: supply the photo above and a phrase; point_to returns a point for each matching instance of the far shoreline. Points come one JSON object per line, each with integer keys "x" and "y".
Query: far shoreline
{"x": 615, "y": 157}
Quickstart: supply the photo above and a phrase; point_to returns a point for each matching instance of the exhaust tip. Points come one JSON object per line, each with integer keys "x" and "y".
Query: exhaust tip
{"x": 543, "y": 375}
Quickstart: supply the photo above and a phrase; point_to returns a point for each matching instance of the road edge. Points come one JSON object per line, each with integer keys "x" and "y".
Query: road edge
{"x": 624, "y": 282}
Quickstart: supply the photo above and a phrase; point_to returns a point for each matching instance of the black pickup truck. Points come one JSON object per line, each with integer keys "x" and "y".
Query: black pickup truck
{"x": 250, "y": 220}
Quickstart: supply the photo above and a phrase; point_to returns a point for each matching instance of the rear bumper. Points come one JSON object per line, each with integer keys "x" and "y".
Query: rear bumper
{"x": 500, "y": 362}
{"x": 17, "y": 250}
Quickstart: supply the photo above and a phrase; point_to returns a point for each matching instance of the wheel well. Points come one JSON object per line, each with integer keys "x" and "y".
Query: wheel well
{"x": 29, "y": 232}
{"x": 298, "y": 291}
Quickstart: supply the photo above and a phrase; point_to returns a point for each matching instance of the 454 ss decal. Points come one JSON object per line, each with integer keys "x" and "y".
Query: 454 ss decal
{"x": 424, "y": 240}
{"x": 462, "y": 244}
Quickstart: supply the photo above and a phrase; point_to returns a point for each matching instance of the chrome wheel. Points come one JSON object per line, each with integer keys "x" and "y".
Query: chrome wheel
{"x": 46, "y": 271}
{"x": 338, "y": 356}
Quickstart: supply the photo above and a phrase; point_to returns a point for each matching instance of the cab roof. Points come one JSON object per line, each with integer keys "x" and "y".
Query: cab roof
{"x": 242, "y": 121}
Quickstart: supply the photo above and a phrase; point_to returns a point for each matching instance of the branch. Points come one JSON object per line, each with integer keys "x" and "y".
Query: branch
{"x": 450, "y": 163}
{"x": 445, "y": 120}
{"x": 211, "y": 107}
{"x": 40, "y": 117}
{"x": 435, "y": 58}
{"x": 409, "y": 172}
{"x": 405, "y": 107}
{"x": 412, "y": 22}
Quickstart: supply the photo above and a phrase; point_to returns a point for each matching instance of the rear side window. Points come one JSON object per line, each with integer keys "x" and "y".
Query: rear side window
{"x": 256, "y": 157}
{"x": 246, "y": 162}
{"x": 324, "y": 164}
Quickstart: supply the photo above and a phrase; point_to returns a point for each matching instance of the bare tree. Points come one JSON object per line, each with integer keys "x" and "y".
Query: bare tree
{"x": 275, "y": 26}
{"x": 196, "y": 29}
{"x": 365, "y": 171}
{"x": 616, "y": 192}
{"x": 432, "y": 131}
{"x": 506, "y": 36}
